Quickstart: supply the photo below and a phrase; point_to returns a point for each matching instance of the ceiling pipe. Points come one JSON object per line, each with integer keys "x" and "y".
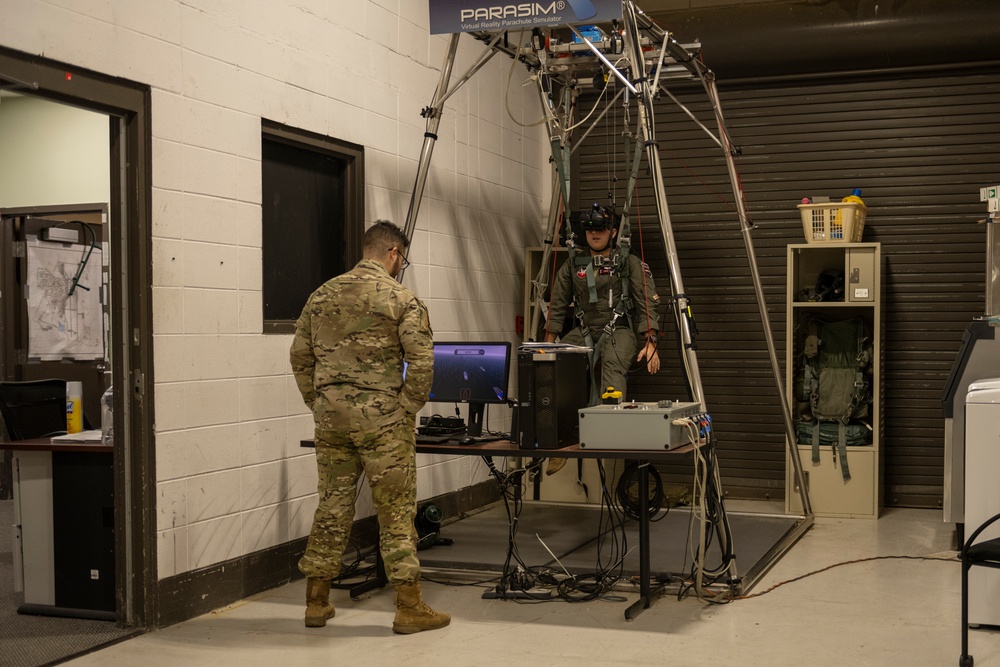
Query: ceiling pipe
{"x": 815, "y": 36}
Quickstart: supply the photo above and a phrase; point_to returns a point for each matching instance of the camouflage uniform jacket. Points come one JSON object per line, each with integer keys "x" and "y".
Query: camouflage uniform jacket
{"x": 350, "y": 343}
{"x": 571, "y": 281}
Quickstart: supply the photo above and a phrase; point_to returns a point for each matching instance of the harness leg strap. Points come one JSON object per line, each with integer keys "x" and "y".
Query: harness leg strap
{"x": 815, "y": 443}
{"x": 842, "y": 447}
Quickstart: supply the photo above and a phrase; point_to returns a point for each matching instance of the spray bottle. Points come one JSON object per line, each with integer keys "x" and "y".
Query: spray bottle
{"x": 74, "y": 407}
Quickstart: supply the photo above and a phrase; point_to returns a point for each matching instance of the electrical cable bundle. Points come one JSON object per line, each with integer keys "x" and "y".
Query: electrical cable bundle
{"x": 486, "y": 429}
{"x": 627, "y": 494}
{"x": 519, "y": 576}
{"x": 75, "y": 281}
{"x": 511, "y": 490}
{"x": 354, "y": 569}
{"x": 612, "y": 547}
{"x": 709, "y": 514}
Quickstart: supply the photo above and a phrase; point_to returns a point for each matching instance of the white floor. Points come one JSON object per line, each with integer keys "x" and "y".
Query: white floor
{"x": 889, "y": 612}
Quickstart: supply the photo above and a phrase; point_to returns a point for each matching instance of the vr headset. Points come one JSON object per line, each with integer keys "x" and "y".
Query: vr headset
{"x": 595, "y": 218}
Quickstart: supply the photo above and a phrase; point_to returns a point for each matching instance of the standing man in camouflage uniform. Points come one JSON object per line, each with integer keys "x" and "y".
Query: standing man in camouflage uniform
{"x": 350, "y": 343}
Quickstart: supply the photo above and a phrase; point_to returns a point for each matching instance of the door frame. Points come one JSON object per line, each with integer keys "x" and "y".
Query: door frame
{"x": 127, "y": 104}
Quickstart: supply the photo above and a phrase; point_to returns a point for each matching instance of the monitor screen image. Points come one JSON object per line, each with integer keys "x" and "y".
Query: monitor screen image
{"x": 471, "y": 372}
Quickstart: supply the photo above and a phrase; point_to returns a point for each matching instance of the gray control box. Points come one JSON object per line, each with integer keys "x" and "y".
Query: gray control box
{"x": 644, "y": 426}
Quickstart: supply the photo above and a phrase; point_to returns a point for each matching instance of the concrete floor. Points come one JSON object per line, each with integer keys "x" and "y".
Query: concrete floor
{"x": 890, "y": 612}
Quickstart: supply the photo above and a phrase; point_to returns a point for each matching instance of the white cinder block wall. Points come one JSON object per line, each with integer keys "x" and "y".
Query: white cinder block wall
{"x": 231, "y": 477}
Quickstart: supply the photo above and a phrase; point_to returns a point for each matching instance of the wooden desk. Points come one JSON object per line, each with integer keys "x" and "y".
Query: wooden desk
{"x": 64, "y": 557}
{"x": 46, "y": 445}
{"x": 505, "y": 448}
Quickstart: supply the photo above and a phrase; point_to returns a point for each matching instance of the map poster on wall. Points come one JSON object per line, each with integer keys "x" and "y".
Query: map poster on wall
{"x": 61, "y": 325}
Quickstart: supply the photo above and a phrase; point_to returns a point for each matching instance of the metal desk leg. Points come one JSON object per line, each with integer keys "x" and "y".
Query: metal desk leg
{"x": 646, "y": 593}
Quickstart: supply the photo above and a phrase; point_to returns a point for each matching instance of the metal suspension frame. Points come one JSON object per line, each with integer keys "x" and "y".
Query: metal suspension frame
{"x": 707, "y": 79}
{"x": 671, "y": 60}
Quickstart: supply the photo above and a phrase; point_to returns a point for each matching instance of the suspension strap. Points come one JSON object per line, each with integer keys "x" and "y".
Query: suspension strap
{"x": 560, "y": 158}
{"x": 587, "y": 262}
{"x": 591, "y": 280}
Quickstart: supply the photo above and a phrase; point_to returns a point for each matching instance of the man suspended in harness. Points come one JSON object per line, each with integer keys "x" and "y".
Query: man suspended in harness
{"x": 615, "y": 303}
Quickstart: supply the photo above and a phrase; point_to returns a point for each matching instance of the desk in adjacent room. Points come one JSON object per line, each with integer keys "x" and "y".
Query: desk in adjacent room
{"x": 64, "y": 554}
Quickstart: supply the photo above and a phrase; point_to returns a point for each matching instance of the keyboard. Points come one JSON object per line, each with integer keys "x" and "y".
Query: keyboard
{"x": 433, "y": 439}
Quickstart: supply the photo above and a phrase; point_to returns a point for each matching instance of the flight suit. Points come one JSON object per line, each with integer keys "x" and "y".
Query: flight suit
{"x": 615, "y": 352}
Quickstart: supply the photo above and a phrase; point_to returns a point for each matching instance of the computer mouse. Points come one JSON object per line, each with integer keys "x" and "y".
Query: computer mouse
{"x": 467, "y": 440}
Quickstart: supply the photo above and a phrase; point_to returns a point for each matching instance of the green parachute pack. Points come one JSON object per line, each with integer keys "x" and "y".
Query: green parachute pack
{"x": 835, "y": 391}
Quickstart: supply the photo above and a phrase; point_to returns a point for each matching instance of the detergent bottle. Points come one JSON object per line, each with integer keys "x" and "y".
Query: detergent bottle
{"x": 854, "y": 197}
{"x": 847, "y": 224}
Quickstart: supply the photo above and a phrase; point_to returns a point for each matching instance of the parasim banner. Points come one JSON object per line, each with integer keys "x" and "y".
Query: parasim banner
{"x": 469, "y": 15}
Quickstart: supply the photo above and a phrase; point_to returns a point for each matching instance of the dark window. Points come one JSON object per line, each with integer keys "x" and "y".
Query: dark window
{"x": 313, "y": 217}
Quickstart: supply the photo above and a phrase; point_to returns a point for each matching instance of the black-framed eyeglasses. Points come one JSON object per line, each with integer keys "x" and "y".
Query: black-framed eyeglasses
{"x": 406, "y": 262}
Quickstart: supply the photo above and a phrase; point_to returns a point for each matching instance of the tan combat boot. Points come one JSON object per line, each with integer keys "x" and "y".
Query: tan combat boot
{"x": 553, "y": 466}
{"x": 318, "y": 607}
{"x": 412, "y": 614}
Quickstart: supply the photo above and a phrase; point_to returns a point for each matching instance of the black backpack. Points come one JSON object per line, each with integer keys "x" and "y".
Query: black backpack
{"x": 829, "y": 287}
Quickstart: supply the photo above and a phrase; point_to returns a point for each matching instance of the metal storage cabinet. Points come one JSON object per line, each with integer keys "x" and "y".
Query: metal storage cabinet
{"x": 64, "y": 550}
{"x": 829, "y": 493}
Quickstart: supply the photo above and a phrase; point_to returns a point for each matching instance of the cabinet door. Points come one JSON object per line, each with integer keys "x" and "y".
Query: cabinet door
{"x": 34, "y": 516}
{"x": 860, "y": 276}
{"x": 829, "y": 494}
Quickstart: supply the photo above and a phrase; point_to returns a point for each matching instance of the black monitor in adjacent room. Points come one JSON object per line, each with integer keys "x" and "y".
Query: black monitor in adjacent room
{"x": 34, "y": 408}
{"x": 473, "y": 373}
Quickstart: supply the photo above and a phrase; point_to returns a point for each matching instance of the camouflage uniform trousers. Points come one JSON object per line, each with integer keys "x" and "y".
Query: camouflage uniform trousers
{"x": 387, "y": 455}
{"x": 617, "y": 355}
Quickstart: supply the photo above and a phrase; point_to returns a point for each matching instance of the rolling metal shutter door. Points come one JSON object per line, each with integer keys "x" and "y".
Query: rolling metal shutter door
{"x": 920, "y": 146}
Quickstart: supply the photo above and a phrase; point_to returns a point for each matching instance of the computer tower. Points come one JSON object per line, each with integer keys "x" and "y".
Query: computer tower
{"x": 552, "y": 386}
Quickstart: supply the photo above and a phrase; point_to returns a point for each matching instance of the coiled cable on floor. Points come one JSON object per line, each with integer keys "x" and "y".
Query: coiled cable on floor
{"x": 627, "y": 491}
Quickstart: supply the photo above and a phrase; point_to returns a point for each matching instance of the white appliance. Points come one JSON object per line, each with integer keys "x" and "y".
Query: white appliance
{"x": 982, "y": 492}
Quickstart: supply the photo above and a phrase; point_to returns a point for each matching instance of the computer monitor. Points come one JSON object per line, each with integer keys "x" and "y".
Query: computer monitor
{"x": 474, "y": 373}
{"x": 33, "y": 409}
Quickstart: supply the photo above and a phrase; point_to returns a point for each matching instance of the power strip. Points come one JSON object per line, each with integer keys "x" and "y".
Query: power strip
{"x": 530, "y": 594}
